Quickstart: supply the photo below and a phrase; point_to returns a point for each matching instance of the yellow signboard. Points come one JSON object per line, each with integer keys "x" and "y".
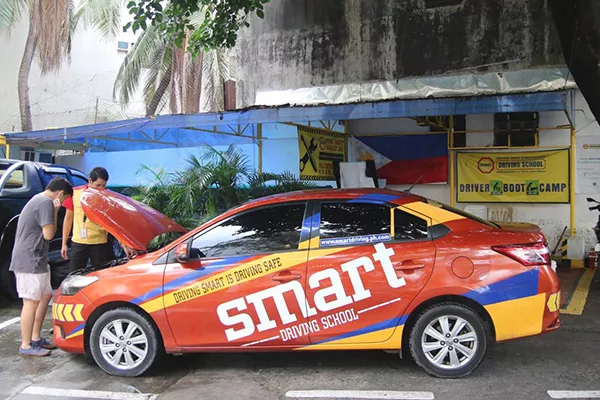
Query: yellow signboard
{"x": 524, "y": 177}
{"x": 318, "y": 149}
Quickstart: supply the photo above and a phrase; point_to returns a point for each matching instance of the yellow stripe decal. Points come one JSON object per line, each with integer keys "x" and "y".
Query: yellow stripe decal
{"x": 519, "y": 317}
{"x": 68, "y": 310}
{"x": 59, "y": 311}
{"x": 384, "y": 339}
{"x": 238, "y": 275}
{"x": 553, "y": 302}
{"x": 77, "y": 312}
{"x": 393, "y": 223}
{"x": 78, "y": 333}
{"x": 438, "y": 214}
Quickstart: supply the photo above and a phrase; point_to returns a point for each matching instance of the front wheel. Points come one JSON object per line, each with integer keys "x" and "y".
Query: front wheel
{"x": 449, "y": 340}
{"x": 124, "y": 342}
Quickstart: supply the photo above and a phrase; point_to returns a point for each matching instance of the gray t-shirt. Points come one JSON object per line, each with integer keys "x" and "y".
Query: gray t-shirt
{"x": 30, "y": 254}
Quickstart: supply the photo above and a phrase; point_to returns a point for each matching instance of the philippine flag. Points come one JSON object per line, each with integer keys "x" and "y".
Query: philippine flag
{"x": 401, "y": 160}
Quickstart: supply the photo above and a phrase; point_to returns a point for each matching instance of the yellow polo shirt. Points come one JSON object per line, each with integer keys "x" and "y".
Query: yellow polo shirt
{"x": 84, "y": 230}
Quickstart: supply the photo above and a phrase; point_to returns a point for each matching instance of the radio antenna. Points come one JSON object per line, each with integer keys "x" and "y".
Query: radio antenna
{"x": 413, "y": 185}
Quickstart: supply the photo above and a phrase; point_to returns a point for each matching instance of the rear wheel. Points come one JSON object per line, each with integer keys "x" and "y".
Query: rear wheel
{"x": 124, "y": 342}
{"x": 449, "y": 340}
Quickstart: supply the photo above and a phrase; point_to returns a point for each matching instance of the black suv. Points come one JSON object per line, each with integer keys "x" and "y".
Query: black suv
{"x": 19, "y": 182}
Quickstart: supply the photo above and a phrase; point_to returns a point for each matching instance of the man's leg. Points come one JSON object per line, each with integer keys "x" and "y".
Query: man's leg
{"x": 27, "y": 322}
{"x": 101, "y": 253}
{"x": 80, "y": 253}
{"x": 40, "y": 314}
{"x": 31, "y": 292}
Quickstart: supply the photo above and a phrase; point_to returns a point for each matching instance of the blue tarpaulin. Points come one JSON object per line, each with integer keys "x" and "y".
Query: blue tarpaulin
{"x": 165, "y": 131}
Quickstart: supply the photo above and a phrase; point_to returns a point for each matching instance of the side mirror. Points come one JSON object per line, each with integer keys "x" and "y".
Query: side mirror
{"x": 182, "y": 252}
{"x": 590, "y": 200}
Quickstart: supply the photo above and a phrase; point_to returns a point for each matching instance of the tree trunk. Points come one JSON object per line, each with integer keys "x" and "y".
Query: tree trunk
{"x": 23, "y": 82}
{"x": 193, "y": 85}
{"x": 160, "y": 91}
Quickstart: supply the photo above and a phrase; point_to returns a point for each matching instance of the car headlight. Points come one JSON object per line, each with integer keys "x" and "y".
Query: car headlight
{"x": 73, "y": 284}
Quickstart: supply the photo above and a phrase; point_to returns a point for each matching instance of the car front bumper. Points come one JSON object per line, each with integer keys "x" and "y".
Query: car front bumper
{"x": 69, "y": 315}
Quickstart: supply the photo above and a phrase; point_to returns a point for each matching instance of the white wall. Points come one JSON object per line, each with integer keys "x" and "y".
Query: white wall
{"x": 68, "y": 97}
{"x": 552, "y": 218}
{"x": 585, "y": 125}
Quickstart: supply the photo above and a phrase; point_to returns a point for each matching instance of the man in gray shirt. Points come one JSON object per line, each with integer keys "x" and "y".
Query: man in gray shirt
{"x": 36, "y": 227}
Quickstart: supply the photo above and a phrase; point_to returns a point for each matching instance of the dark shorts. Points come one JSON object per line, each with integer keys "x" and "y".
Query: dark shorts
{"x": 81, "y": 253}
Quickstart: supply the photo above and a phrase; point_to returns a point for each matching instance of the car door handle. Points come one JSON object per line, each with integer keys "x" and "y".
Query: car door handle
{"x": 408, "y": 265}
{"x": 286, "y": 277}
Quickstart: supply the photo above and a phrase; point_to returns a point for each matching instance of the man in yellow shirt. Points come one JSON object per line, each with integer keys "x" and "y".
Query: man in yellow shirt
{"x": 89, "y": 239}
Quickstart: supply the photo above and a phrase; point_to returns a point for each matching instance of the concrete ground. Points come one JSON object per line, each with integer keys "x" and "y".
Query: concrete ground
{"x": 566, "y": 360}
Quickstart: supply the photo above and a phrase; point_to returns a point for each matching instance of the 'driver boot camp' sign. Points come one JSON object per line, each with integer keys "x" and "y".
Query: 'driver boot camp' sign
{"x": 524, "y": 177}
{"x": 318, "y": 149}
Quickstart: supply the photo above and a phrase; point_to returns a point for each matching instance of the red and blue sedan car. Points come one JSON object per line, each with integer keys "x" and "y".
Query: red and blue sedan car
{"x": 337, "y": 269}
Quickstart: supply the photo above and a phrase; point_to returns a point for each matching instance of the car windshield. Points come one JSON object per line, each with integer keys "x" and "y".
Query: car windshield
{"x": 462, "y": 213}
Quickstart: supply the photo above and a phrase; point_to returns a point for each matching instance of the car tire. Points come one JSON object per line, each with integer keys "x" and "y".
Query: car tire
{"x": 451, "y": 351}
{"x": 125, "y": 361}
{"x": 8, "y": 282}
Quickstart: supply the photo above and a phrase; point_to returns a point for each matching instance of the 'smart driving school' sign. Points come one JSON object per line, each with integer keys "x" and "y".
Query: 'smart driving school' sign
{"x": 318, "y": 149}
{"x": 524, "y": 177}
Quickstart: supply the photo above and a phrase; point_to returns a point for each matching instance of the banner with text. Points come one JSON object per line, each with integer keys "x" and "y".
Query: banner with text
{"x": 318, "y": 149}
{"x": 524, "y": 177}
{"x": 588, "y": 164}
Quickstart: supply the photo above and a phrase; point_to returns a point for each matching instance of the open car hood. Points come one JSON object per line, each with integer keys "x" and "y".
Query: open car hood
{"x": 132, "y": 223}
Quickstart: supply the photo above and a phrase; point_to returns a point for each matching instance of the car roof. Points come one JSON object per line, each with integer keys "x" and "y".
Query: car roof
{"x": 373, "y": 194}
{"x": 37, "y": 164}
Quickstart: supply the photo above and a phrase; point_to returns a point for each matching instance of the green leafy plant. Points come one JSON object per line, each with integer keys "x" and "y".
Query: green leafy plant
{"x": 219, "y": 28}
{"x": 211, "y": 183}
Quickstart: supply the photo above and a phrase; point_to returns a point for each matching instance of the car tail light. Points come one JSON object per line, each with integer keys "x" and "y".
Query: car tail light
{"x": 529, "y": 254}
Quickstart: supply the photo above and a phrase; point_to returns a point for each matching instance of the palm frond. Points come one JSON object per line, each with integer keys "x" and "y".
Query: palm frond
{"x": 157, "y": 93}
{"x": 158, "y": 66}
{"x": 11, "y": 12}
{"x": 103, "y": 15}
{"x": 215, "y": 71}
{"x": 131, "y": 71}
{"x": 52, "y": 22}
{"x": 224, "y": 62}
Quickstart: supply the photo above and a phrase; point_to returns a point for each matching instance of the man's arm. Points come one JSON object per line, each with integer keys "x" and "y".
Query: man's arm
{"x": 67, "y": 225}
{"x": 49, "y": 214}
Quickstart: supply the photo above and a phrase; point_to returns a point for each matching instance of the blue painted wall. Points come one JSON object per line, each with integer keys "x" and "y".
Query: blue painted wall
{"x": 280, "y": 153}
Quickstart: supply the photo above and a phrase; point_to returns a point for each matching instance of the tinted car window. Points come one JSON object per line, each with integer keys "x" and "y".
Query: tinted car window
{"x": 409, "y": 227}
{"x": 77, "y": 181}
{"x": 261, "y": 231}
{"x": 15, "y": 180}
{"x": 340, "y": 220}
{"x": 48, "y": 176}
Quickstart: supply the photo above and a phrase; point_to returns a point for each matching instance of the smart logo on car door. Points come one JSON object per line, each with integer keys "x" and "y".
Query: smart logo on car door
{"x": 231, "y": 313}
